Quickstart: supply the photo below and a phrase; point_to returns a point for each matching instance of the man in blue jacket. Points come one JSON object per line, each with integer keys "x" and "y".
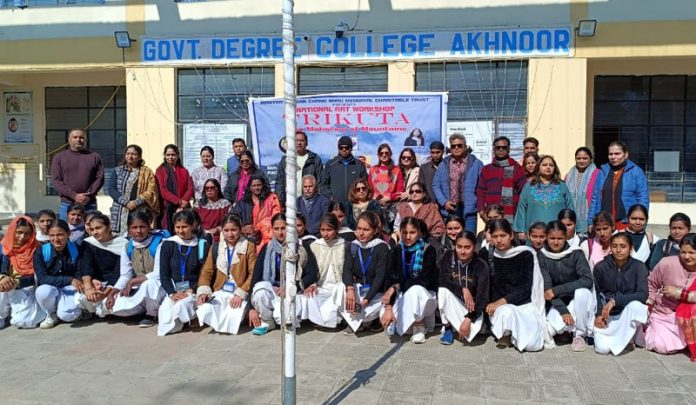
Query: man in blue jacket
{"x": 620, "y": 184}
{"x": 455, "y": 181}
{"x": 340, "y": 172}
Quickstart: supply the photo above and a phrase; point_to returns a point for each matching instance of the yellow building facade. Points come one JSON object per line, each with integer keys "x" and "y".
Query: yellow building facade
{"x": 64, "y": 60}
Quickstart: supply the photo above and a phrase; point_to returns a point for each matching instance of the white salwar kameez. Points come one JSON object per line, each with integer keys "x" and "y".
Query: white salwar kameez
{"x": 642, "y": 253}
{"x": 220, "y": 315}
{"x": 415, "y": 305}
{"x": 59, "y": 301}
{"x": 267, "y": 303}
{"x": 621, "y": 329}
{"x": 325, "y": 307}
{"x": 174, "y": 315}
{"x": 20, "y": 304}
{"x": 582, "y": 308}
{"x": 369, "y": 313}
{"x": 453, "y": 312}
{"x": 526, "y": 323}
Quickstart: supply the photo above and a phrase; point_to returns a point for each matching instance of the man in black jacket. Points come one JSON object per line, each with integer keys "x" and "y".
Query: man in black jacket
{"x": 308, "y": 162}
{"x": 429, "y": 167}
{"x": 341, "y": 171}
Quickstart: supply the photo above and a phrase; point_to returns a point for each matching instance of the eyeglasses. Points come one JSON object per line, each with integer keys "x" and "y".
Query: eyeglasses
{"x": 406, "y": 158}
{"x": 359, "y": 189}
{"x": 210, "y": 188}
{"x": 456, "y": 145}
{"x": 385, "y": 153}
{"x": 416, "y": 192}
{"x": 345, "y": 147}
{"x": 245, "y": 161}
{"x": 499, "y": 147}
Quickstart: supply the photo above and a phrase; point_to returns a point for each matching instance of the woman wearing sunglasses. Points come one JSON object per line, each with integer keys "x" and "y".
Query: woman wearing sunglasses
{"x": 360, "y": 200}
{"x": 419, "y": 206}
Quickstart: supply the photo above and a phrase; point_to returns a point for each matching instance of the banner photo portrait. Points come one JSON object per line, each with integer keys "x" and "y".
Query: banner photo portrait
{"x": 399, "y": 119}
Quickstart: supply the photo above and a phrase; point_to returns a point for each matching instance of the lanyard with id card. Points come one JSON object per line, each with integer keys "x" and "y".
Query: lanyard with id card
{"x": 229, "y": 285}
{"x": 364, "y": 266}
{"x": 183, "y": 284}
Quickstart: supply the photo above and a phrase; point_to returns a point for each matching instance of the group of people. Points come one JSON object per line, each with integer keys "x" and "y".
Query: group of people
{"x": 391, "y": 247}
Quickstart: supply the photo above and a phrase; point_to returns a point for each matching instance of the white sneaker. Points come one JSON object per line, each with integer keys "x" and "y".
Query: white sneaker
{"x": 50, "y": 321}
{"x": 418, "y": 336}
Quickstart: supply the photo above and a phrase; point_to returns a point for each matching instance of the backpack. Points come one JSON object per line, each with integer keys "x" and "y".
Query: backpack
{"x": 157, "y": 238}
{"x": 72, "y": 249}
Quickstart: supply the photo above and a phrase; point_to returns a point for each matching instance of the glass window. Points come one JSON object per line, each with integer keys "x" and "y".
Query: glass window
{"x": 342, "y": 79}
{"x": 101, "y": 109}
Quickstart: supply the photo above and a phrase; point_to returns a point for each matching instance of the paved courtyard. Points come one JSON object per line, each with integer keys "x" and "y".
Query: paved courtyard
{"x": 116, "y": 362}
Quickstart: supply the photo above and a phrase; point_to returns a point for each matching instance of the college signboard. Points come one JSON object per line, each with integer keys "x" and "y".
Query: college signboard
{"x": 370, "y": 119}
{"x": 476, "y": 44}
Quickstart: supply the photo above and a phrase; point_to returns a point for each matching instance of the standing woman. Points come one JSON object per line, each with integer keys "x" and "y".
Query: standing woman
{"x": 181, "y": 258}
{"x": 679, "y": 226}
{"x": 529, "y": 163}
{"x": 175, "y": 186}
{"x": 454, "y": 226}
{"x": 207, "y": 170}
{"x": 581, "y": 180}
{"x": 569, "y": 219}
{"x": 409, "y": 170}
{"x": 324, "y": 298}
{"x": 365, "y": 273}
{"x": 464, "y": 290}
{"x": 138, "y": 289}
{"x": 567, "y": 276}
{"x": 641, "y": 239}
{"x": 621, "y": 283}
{"x": 420, "y": 206}
{"x": 385, "y": 178}
{"x": 410, "y": 302}
{"x": 224, "y": 284}
{"x": 256, "y": 210}
{"x": 359, "y": 201}
{"x": 17, "y": 282}
{"x": 212, "y": 208}
{"x": 132, "y": 185}
{"x": 100, "y": 267}
{"x": 671, "y": 284}
{"x": 598, "y": 247}
{"x": 516, "y": 308}
{"x": 542, "y": 198}
{"x": 56, "y": 270}
{"x": 339, "y": 210}
{"x": 239, "y": 180}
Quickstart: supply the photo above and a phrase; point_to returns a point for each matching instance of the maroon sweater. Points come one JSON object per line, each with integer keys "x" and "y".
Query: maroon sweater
{"x": 490, "y": 184}
{"x": 77, "y": 172}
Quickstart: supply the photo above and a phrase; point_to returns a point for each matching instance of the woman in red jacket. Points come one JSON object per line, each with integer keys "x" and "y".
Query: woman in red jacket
{"x": 175, "y": 185}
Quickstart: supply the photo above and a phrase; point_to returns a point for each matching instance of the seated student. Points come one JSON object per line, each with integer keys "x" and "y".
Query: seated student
{"x": 464, "y": 290}
{"x": 301, "y": 225}
{"x": 86, "y": 218}
{"x": 490, "y": 212}
{"x": 642, "y": 239}
{"x": 266, "y": 287}
{"x": 454, "y": 226}
{"x": 181, "y": 258}
{"x": 76, "y": 222}
{"x": 138, "y": 289}
{"x": 671, "y": 284}
{"x": 536, "y": 236}
{"x": 100, "y": 267}
{"x": 570, "y": 304}
{"x": 410, "y": 301}
{"x": 44, "y": 219}
{"x": 56, "y": 270}
{"x": 18, "y": 306}
{"x": 597, "y": 247}
{"x": 324, "y": 299}
{"x": 569, "y": 219}
{"x": 679, "y": 226}
{"x": 339, "y": 210}
{"x": 365, "y": 273}
{"x": 621, "y": 283}
{"x": 224, "y": 284}
{"x": 516, "y": 308}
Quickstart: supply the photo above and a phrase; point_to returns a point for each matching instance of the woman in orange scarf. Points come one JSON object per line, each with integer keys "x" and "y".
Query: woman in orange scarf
{"x": 256, "y": 209}
{"x": 17, "y": 283}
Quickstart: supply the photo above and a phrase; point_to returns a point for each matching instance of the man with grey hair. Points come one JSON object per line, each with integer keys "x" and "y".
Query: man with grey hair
{"x": 455, "y": 182}
{"x": 311, "y": 204}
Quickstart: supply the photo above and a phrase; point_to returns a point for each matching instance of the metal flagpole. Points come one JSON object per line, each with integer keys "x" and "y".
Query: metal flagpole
{"x": 289, "y": 379}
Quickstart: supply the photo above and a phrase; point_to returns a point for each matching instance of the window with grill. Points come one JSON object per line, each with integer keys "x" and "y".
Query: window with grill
{"x": 343, "y": 79}
{"x": 78, "y": 107}
{"x": 654, "y": 115}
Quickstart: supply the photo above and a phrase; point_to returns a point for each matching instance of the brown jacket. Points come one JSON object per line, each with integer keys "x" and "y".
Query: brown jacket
{"x": 213, "y": 274}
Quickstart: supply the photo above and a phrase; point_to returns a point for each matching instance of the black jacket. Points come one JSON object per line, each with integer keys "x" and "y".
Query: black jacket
{"x": 313, "y": 215}
{"x": 377, "y": 270}
{"x": 337, "y": 177}
{"x": 170, "y": 271}
{"x": 231, "y": 188}
{"x": 312, "y": 166}
{"x": 24, "y": 281}
{"x": 310, "y": 272}
{"x": 100, "y": 264}
{"x": 511, "y": 278}
{"x": 59, "y": 271}
{"x": 476, "y": 278}
{"x": 401, "y": 276}
{"x": 426, "y": 174}
{"x": 564, "y": 276}
{"x": 624, "y": 285}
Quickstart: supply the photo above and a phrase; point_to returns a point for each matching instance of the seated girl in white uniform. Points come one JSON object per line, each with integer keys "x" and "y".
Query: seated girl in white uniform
{"x": 599, "y": 247}
{"x": 641, "y": 239}
{"x": 569, "y": 218}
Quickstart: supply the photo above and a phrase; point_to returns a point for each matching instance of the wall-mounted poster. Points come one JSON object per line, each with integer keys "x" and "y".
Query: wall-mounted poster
{"x": 18, "y": 117}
